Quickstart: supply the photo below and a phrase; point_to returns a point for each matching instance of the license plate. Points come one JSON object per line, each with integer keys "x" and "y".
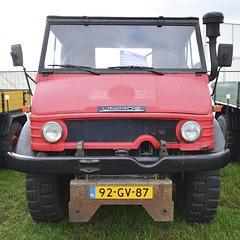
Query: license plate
{"x": 121, "y": 192}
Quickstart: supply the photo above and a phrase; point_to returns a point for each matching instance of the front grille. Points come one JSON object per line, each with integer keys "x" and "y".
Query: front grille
{"x": 120, "y": 130}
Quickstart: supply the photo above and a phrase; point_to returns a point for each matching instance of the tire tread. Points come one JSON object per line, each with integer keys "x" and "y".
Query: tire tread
{"x": 41, "y": 198}
{"x": 204, "y": 209}
{"x": 198, "y": 195}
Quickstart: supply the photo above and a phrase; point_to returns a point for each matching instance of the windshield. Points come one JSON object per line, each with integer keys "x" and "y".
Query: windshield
{"x": 108, "y": 46}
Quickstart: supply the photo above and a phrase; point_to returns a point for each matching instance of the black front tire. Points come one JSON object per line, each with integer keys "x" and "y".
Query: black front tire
{"x": 198, "y": 195}
{"x": 47, "y": 196}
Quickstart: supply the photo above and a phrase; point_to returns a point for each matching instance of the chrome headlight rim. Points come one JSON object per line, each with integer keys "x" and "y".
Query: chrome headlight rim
{"x": 195, "y": 127}
{"x": 46, "y": 130}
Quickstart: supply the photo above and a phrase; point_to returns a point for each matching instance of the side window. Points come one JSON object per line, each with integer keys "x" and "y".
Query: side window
{"x": 53, "y": 55}
{"x": 192, "y": 57}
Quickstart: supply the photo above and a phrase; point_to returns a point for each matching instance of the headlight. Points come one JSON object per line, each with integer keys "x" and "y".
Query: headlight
{"x": 52, "y": 132}
{"x": 190, "y": 131}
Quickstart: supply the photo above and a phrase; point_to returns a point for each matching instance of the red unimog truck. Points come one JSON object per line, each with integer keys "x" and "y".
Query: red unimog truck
{"x": 121, "y": 110}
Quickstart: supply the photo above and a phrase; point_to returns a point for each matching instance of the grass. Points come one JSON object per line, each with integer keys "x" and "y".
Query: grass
{"x": 118, "y": 222}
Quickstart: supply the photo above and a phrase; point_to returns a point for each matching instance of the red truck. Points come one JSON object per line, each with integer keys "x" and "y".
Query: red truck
{"x": 121, "y": 110}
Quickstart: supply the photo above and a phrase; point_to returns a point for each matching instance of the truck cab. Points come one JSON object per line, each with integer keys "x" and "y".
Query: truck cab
{"x": 122, "y": 98}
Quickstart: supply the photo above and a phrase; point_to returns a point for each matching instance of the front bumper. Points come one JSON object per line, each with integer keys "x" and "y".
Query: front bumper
{"x": 118, "y": 165}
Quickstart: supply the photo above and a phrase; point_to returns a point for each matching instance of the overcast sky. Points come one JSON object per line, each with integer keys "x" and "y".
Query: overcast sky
{"x": 23, "y": 21}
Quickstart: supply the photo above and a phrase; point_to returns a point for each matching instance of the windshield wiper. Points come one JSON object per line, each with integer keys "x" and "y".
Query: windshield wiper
{"x": 149, "y": 69}
{"x": 84, "y": 68}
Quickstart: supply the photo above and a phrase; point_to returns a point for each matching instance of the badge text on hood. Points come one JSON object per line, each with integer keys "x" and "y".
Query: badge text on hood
{"x": 122, "y": 109}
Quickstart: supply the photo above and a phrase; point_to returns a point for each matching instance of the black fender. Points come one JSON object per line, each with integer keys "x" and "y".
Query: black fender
{"x": 23, "y": 146}
{"x": 20, "y": 117}
{"x": 219, "y": 140}
{"x": 8, "y": 118}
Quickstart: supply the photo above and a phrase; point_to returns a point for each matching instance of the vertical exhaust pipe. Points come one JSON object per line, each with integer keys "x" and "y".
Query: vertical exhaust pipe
{"x": 212, "y": 21}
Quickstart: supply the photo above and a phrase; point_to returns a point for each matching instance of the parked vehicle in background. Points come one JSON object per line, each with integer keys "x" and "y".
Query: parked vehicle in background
{"x": 226, "y": 98}
{"x": 226, "y": 93}
{"x": 120, "y": 104}
{"x": 12, "y": 120}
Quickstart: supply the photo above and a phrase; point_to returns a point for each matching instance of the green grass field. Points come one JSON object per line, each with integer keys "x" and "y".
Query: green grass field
{"x": 118, "y": 222}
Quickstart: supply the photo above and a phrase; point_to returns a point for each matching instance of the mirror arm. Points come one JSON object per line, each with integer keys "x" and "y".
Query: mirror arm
{"x": 27, "y": 76}
{"x": 215, "y": 85}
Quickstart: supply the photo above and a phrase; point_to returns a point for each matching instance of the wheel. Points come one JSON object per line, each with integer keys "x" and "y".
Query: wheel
{"x": 198, "y": 195}
{"x": 47, "y": 196}
{"x": 8, "y": 143}
{"x": 232, "y": 143}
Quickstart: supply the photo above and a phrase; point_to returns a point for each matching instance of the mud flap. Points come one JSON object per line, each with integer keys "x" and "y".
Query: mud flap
{"x": 82, "y": 207}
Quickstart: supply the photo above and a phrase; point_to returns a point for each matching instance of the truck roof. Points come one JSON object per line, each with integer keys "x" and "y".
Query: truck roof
{"x": 111, "y": 20}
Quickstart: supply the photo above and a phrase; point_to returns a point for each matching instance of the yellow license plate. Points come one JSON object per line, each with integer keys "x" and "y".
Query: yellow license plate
{"x": 121, "y": 192}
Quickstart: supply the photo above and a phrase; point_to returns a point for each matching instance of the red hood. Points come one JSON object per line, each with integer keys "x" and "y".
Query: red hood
{"x": 84, "y": 93}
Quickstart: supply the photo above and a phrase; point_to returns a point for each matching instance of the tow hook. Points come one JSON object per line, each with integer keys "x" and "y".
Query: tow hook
{"x": 80, "y": 149}
{"x": 163, "y": 149}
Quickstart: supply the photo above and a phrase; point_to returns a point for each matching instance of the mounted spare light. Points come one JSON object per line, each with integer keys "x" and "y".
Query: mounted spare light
{"x": 52, "y": 132}
{"x": 190, "y": 131}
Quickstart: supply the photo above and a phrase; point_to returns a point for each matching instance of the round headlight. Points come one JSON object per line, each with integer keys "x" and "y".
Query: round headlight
{"x": 190, "y": 131}
{"x": 52, "y": 132}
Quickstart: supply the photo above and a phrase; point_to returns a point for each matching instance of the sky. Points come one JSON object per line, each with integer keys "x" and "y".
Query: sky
{"x": 23, "y": 22}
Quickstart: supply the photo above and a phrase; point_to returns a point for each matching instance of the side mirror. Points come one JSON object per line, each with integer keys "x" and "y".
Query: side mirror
{"x": 17, "y": 56}
{"x": 225, "y": 52}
